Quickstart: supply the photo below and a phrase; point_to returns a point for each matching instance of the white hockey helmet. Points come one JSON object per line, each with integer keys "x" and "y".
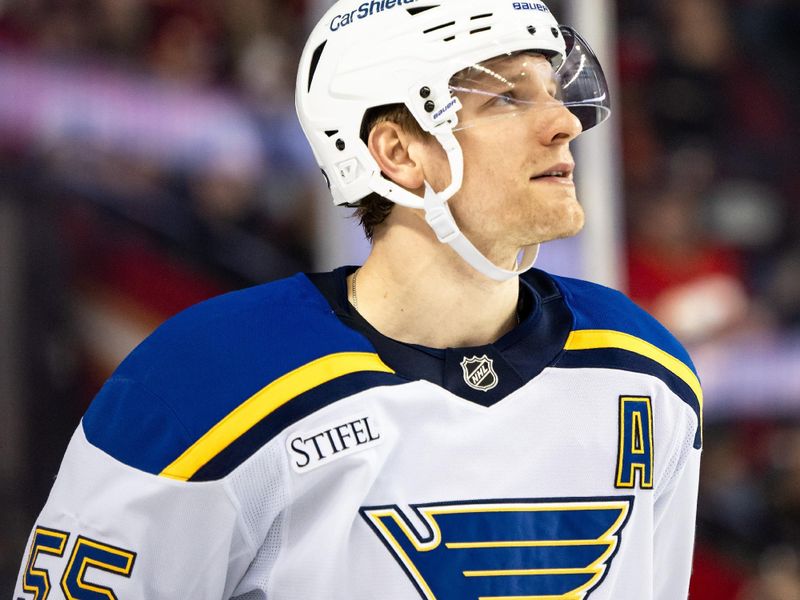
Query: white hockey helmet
{"x": 370, "y": 53}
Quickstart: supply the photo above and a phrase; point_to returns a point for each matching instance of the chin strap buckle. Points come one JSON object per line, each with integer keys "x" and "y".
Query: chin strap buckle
{"x": 442, "y": 223}
{"x": 439, "y": 217}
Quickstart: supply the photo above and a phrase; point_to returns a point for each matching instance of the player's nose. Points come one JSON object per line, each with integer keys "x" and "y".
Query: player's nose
{"x": 559, "y": 125}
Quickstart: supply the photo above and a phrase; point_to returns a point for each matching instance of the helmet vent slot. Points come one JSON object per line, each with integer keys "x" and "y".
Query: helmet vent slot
{"x": 420, "y": 9}
{"x": 314, "y": 62}
{"x": 480, "y": 29}
{"x": 438, "y": 27}
{"x": 331, "y": 132}
{"x": 450, "y": 39}
{"x": 483, "y": 16}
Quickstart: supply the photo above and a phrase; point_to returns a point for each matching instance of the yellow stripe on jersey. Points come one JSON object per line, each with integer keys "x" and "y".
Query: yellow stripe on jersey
{"x": 592, "y": 339}
{"x": 266, "y": 401}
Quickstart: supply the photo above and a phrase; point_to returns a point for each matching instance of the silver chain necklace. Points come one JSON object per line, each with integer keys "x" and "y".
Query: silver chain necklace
{"x": 354, "y": 301}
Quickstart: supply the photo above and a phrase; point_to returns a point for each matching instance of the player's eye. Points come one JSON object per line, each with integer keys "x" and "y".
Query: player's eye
{"x": 503, "y": 99}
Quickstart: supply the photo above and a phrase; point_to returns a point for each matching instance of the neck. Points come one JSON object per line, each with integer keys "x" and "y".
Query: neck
{"x": 416, "y": 290}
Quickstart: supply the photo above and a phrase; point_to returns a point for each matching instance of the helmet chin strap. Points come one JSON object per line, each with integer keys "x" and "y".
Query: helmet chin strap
{"x": 440, "y": 219}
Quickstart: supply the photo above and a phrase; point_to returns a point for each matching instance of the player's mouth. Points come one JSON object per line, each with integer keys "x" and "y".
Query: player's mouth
{"x": 558, "y": 173}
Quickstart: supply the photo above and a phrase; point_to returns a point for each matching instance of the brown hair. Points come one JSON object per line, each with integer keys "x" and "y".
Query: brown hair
{"x": 373, "y": 209}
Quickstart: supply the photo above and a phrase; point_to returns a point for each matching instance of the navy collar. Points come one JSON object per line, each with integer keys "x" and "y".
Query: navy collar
{"x": 516, "y": 358}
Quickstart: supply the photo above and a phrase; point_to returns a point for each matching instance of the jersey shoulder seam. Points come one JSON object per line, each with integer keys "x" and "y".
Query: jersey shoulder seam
{"x": 137, "y": 383}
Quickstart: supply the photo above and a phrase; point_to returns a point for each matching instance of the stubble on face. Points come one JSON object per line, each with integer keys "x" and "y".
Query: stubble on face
{"x": 499, "y": 200}
{"x": 501, "y": 206}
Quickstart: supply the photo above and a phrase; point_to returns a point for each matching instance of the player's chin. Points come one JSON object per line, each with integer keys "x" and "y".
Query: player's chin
{"x": 571, "y": 221}
{"x": 562, "y": 224}
{"x": 577, "y": 220}
{"x": 575, "y": 229}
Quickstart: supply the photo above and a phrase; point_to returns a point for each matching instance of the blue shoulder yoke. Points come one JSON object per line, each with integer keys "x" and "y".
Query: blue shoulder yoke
{"x": 205, "y": 362}
{"x": 610, "y": 331}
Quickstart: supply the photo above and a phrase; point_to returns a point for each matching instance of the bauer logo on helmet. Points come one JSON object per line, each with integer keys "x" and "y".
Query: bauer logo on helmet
{"x": 530, "y": 6}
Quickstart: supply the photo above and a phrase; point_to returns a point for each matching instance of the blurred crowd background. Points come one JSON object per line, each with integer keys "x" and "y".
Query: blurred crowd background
{"x": 150, "y": 158}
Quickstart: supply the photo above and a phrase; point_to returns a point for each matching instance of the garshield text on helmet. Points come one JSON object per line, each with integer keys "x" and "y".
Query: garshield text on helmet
{"x": 458, "y": 52}
{"x": 364, "y": 10}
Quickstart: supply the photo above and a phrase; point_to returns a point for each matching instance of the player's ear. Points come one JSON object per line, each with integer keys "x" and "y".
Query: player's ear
{"x": 398, "y": 154}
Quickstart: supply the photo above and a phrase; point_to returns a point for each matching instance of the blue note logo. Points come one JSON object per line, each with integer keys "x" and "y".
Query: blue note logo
{"x": 495, "y": 549}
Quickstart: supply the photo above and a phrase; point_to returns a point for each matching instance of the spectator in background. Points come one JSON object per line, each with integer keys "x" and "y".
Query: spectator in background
{"x": 777, "y": 578}
{"x": 707, "y": 166}
{"x": 686, "y": 279}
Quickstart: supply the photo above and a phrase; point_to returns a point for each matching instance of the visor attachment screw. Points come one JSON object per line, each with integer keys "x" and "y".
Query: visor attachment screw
{"x": 429, "y": 106}
{"x": 340, "y": 144}
{"x": 425, "y": 91}
{"x": 531, "y": 29}
{"x": 554, "y": 31}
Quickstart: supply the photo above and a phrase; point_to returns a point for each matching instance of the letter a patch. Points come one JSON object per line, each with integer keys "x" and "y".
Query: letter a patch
{"x": 635, "y": 442}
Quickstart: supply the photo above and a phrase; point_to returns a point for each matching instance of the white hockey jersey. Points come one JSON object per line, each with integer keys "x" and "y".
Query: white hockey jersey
{"x": 270, "y": 444}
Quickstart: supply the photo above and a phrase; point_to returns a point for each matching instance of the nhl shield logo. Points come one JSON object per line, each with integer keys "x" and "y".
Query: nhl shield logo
{"x": 479, "y": 373}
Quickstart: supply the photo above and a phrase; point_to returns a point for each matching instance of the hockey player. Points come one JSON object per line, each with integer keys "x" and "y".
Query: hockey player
{"x": 442, "y": 423}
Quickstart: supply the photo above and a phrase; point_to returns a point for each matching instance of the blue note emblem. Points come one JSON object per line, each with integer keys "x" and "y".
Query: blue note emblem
{"x": 532, "y": 549}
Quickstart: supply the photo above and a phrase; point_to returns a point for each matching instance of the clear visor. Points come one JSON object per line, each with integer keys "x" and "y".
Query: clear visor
{"x": 513, "y": 84}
